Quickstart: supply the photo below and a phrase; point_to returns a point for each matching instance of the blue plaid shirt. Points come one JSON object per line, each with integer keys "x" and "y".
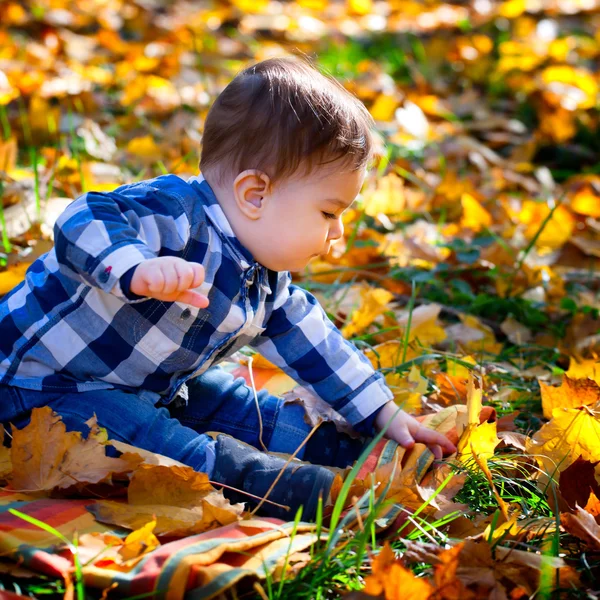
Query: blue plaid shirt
{"x": 73, "y": 325}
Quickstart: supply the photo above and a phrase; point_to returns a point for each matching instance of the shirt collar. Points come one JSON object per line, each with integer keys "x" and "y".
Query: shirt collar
{"x": 219, "y": 221}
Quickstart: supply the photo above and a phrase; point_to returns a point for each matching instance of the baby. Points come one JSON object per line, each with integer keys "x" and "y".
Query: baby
{"x": 150, "y": 286}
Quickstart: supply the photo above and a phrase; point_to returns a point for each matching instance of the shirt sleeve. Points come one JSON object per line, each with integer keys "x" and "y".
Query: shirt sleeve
{"x": 103, "y": 235}
{"x": 301, "y": 340}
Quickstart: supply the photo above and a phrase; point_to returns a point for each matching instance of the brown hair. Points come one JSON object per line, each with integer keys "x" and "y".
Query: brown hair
{"x": 281, "y": 114}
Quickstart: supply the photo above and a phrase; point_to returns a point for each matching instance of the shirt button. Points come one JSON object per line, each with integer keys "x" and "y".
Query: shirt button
{"x": 185, "y": 314}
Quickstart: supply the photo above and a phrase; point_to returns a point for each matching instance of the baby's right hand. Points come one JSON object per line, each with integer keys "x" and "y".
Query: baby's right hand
{"x": 169, "y": 279}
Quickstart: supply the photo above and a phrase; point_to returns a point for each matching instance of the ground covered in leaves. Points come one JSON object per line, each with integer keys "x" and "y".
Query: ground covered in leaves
{"x": 467, "y": 272}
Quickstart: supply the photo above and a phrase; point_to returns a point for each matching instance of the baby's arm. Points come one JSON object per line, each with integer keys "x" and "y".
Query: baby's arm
{"x": 301, "y": 340}
{"x": 103, "y": 235}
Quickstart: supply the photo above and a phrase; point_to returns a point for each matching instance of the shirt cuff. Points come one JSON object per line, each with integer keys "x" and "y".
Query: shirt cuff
{"x": 363, "y": 406}
{"x": 125, "y": 283}
{"x": 367, "y": 427}
{"x": 116, "y": 261}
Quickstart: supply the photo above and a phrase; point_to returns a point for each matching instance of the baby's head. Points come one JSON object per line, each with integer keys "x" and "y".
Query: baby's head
{"x": 285, "y": 150}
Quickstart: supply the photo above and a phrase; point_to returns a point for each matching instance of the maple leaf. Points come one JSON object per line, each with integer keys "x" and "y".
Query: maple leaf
{"x": 593, "y": 506}
{"x": 572, "y": 393}
{"x": 577, "y": 483}
{"x": 374, "y": 302}
{"x": 572, "y": 432}
{"x": 45, "y": 456}
{"x": 394, "y": 581}
{"x": 478, "y": 439}
{"x": 182, "y": 501}
{"x": 584, "y": 369}
{"x": 582, "y": 525}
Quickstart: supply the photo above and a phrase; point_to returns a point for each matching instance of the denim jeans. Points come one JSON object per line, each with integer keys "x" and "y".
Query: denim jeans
{"x": 217, "y": 402}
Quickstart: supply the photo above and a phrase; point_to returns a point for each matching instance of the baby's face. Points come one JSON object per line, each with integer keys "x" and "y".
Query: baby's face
{"x": 303, "y": 218}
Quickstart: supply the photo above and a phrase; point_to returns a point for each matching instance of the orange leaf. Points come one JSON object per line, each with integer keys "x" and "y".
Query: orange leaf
{"x": 572, "y": 393}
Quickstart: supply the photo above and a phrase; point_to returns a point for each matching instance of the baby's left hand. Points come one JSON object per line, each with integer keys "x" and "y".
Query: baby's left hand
{"x": 406, "y": 430}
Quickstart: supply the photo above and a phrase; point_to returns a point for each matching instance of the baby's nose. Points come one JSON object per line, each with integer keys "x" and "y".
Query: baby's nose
{"x": 336, "y": 231}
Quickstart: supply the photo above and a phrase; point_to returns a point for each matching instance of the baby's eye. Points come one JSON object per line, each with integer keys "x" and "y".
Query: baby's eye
{"x": 328, "y": 215}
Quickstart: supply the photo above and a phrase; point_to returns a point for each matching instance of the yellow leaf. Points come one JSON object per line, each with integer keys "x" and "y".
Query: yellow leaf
{"x": 388, "y": 198}
{"x": 8, "y": 92}
{"x": 424, "y": 325}
{"x": 139, "y": 542}
{"x": 577, "y": 86}
{"x": 477, "y": 439}
{"x": 510, "y": 528}
{"x": 557, "y": 123}
{"x": 8, "y": 154}
{"x": 134, "y": 90}
{"x": 571, "y": 433}
{"x": 584, "y": 369}
{"x": 360, "y": 7}
{"x": 557, "y": 230}
{"x": 374, "y": 302}
{"x": 455, "y": 369}
{"x": 475, "y": 217}
{"x": 144, "y": 147}
{"x": 512, "y": 9}
{"x": 585, "y": 196}
{"x": 383, "y": 108}
{"x": 407, "y": 390}
{"x": 12, "y": 277}
{"x": 182, "y": 500}
{"x": 572, "y": 393}
{"x": 473, "y": 336}
{"x": 388, "y": 355}
{"x": 251, "y": 6}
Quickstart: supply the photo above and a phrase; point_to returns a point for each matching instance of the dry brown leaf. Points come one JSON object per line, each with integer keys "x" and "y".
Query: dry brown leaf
{"x": 582, "y": 525}
{"x": 317, "y": 410}
{"x": 183, "y": 501}
{"x": 45, "y": 456}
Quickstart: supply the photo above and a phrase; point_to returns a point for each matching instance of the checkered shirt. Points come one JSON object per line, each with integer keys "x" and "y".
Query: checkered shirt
{"x": 69, "y": 326}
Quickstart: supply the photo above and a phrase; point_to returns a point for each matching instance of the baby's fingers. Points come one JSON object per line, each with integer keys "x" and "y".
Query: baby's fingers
{"x": 432, "y": 438}
{"x": 155, "y": 280}
{"x": 171, "y": 278}
{"x": 185, "y": 275}
{"x": 193, "y": 299}
{"x": 404, "y": 438}
{"x": 198, "y": 274}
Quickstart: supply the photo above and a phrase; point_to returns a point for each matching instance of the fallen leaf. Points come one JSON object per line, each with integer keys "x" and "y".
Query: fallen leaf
{"x": 582, "y": 525}
{"x": 577, "y": 483}
{"x": 45, "y": 456}
{"x": 572, "y": 393}
{"x": 393, "y": 581}
{"x": 374, "y": 302}
{"x": 571, "y": 433}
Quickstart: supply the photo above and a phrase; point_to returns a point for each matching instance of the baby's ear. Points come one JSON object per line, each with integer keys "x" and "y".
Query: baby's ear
{"x": 250, "y": 190}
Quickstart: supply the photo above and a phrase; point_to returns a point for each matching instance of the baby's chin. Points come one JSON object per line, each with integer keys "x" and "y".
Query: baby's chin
{"x": 293, "y": 267}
